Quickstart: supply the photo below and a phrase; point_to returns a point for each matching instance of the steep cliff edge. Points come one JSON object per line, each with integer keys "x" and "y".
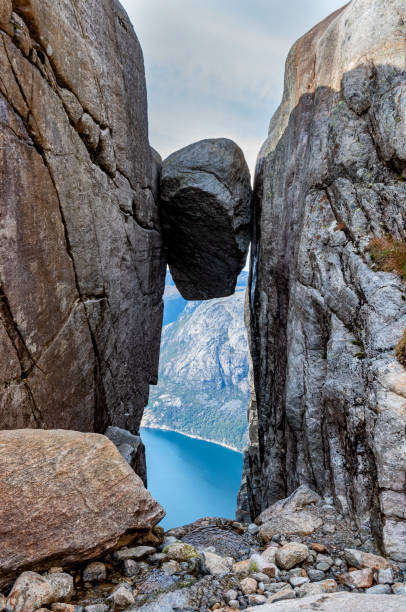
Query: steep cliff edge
{"x": 81, "y": 264}
{"x": 328, "y": 405}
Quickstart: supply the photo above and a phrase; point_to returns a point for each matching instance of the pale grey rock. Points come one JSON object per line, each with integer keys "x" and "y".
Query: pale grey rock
{"x": 32, "y": 591}
{"x": 215, "y": 564}
{"x": 298, "y": 523}
{"x": 62, "y": 585}
{"x": 315, "y": 575}
{"x": 291, "y": 554}
{"x": 399, "y": 588}
{"x": 346, "y": 602}
{"x": 385, "y": 576}
{"x": 94, "y": 572}
{"x": 379, "y": 589}
{"x": 100, "y": 607}
{"x": 130, "y": 567}
{"x": 81, "y": 279}
{"x": 206, "y": 213}
{"x": 122, "y": 597}
{"x": 298, "y": 581}
{"x": 313, "y": 588}
{"x": 137, "y": 553}
{"x": 328, "y": 406}
{"x": 130, "y": 447}
{"x": 303, "y": 496}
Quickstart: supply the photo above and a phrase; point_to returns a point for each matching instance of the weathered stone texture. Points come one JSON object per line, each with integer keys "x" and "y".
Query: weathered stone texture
{"x": 81, "y": 277}
{"x": 329, "y": 398}
{"x": 66, "y": 496}
{"x": 206, "y": 213}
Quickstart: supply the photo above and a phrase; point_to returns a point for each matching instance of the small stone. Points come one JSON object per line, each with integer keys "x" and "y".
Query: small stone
{"x": 379, "y": 589}
{"x": 241, "y": 567}
{"x": 315, "y": 575}
{"x": 325, "y": 559}
{"x": 256, "y": 600}
{"x": 253, "y": 529}
{"x": 399, "y": 588}
{"x": 361, "y": 579}
{"x": 137, "y": 553}
{"x": 291, "y": 554}
{"x": 323, "y": 566}
{"x": 55, "y": 570}
{"x": 360, "y": 559}
{"x": 230, "y": 595}
{"x": 122, "y": 597}
{"x": 234, "y": 603}
{"x": 94, "y": 572}
{"x": 269, "y": 554}
{"x": 179, "y": 551}
{"x": 2, "y": 602}
{"x": 130, "y": 567}
{"x": 297, "y": 581}
{"x": 30, "y": 591}
{"x": 248, "y": 586}
{"x": 260, "y": 577}
{"x": 62, "y": 607}
{"x": 317, "y": 588}
{"x": 62, "y": 585}
{"x": 215, "y": 565}
{"x": 319, "y": 548}
{"x": 158, "y": 558}
{"x": 285, "y": 593}
{"x": 329, "y": 528}
{"x": 97, "y": 608}
{"x": 170, "y": 568}
{"x": 385, "y": 576}
{"x": 216, "y": 606}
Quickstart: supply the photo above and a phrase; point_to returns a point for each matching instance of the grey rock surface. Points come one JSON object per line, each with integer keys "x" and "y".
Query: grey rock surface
{"x": 206, "y": 213}
{"x": 81, "y": 260}
{"x": 131, "y": 448}
{"x": 328, "y": 405}
{"x": 347, "y": 602}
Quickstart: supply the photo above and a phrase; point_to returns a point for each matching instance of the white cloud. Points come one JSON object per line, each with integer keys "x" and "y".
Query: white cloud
{"x": 215, "y": 67}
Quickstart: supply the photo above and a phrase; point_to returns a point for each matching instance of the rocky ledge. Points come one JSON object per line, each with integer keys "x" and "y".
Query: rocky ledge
{"x": 218, "y": 564}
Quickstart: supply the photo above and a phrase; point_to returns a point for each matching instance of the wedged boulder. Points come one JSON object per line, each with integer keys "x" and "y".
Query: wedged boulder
{"x": 65, "y": 497}
{"x": 206, "y": 213}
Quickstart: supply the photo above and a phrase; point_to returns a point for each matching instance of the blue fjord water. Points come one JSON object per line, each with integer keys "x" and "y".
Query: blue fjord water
{"x": 191, "y": 478}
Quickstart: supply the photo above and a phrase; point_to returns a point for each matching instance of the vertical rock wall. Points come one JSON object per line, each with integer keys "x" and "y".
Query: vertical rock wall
{"x": 81, "y": 265}
{"x": 328, "y": 397}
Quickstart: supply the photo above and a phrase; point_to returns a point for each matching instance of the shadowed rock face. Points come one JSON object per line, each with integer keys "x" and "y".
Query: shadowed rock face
{"x": 206, "y": 212}
{"x": 328, "y": 404}
{"x": 66, "y": 496}
{"x": 81, "y": 266}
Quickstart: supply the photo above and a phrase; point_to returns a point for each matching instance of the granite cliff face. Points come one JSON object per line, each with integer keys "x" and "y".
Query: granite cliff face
{"x": 81, "y": 264}
{"x": 328, "y": 405}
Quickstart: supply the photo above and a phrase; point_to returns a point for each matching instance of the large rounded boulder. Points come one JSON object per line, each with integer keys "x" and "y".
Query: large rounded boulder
{"x": 206, "y": 214}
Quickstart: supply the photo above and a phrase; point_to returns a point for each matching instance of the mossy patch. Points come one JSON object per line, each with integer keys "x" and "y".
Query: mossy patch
{"x": 400, "y": 350}
{"x": 389, "y": 255}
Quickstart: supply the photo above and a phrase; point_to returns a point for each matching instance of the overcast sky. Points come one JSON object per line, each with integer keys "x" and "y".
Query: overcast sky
{"x": 215, "y": 67}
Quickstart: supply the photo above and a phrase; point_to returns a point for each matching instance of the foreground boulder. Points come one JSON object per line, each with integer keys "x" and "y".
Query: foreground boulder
{"x": 206, "y": 211}
{"x": 65, "y": 497}
{"x": 345, "y": 602}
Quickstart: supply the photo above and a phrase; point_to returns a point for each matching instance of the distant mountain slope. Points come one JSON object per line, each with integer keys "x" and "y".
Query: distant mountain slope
{"x": 203, "y": 374}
